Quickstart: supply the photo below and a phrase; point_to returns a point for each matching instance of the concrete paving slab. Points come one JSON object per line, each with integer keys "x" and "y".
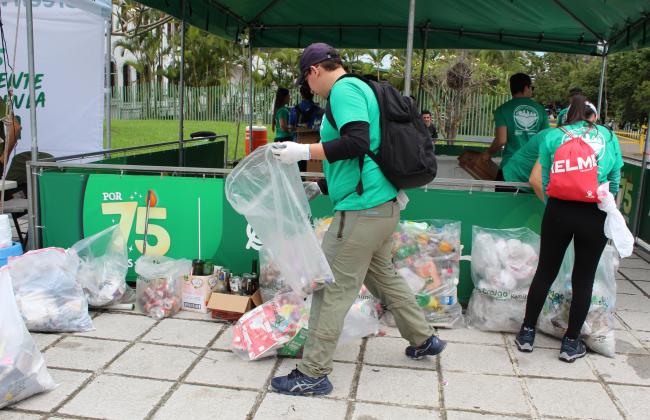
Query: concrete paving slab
{"x": 639, "y": 321}
{"x": 634, "y": 400}
{"x": 109, "y": 325}
{"x": 43, "y": 340}
{"x": 195, "y": 316}
{"x": 117, "y": 397}
{"x": 638, "y": 303}
{"x": 636, "y": 273}
{"x": 634, "y": 263}
{"x": 628, "y": 343}
{"x": 476, "y": 358}
{"x": 6, "y": 414}
{"x": 82, "y": 353}
{"x": 154, "y": 361}
{"x": 226, "y": 368}
{"x": 497, "y": 394}
{"x": 467, "y": 415}
{"x": 398, "y": 386}
{"x": 366, "y": 411}
{"x": 624, "y": 368}
{"x": 224, "y": 340}
{"x": 550, "y": 399}
{"x": 544, "y": 362}
{"x": 348, "y": 352}
{"x": 206, "y": 403}
{"x": 183, "y": 332}
{"x": 627, "y": 287}
{"x": 389, "y": 351}
{"x": 542, "y": 341}
{"x": 643, "y": 337}
{"x": 68, "y": 382}
{"x": 471, "y": 335}
{"x": 618, "y": 325}
{"x": 644, "y": 285}
{"x": 277, "y": 406}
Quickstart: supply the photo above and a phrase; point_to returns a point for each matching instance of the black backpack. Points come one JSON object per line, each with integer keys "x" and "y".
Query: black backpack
{"x": 406, "y": 152}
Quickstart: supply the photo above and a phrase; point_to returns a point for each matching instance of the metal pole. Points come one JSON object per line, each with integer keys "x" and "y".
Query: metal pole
{"x": 250, "y": 89}
{"x": 639, "y": 200}
{"x": 602, "y": 81}
{"x": 424, "y": 56}
{"x": 181, "y": 89}
{"x": 32, "y": 207}
{"x": 409, "y": 49}
{"x": 108, "y": 89}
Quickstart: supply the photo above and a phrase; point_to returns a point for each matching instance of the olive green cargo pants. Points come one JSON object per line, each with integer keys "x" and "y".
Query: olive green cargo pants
{"x": 358, "y": 248}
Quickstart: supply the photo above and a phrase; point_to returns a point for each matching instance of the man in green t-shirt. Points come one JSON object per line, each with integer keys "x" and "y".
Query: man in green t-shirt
{"x": 358, "y": 244}
{"x": 561, "y": 116}
{"x": 519, "y": 167}
{"x": 516, "y": 121}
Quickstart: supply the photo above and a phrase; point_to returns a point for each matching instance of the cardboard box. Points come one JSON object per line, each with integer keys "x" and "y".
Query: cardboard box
{"x": 232, "y": 307}
{"x": 195, "y": 294}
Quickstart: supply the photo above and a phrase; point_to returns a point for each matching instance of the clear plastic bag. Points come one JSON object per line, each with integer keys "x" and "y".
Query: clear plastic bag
{"x": 47, "y": 293}
{"x": 598, "y": 329}
{"x": 22, "y": 368}
{"x": 362, "y": 319}
{"x": 427, "y": 257}
{"x": 159, "y": 285}
{"x": 504, "y": 262}
{"x": 272, "y": 198}
{"x": 103, "y": 264}
{"x": 272, "y": 281}
{"x": 261, "y": 332}
{"x": 615, "y": 226}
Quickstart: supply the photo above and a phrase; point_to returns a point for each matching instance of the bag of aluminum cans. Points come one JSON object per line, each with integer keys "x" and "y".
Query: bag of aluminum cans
{"x": 504, "y": 262}
{"x": 598, "y": 329}
{"x": 159, "y": 286}
{"x": 272, "y": 281}
{"x": 22, "y": 367}
{"x": 47, "y": 293}
{"x": 103, "y": 263}
{"x": 270, "y": 195}
{"x": 426, "y": 255}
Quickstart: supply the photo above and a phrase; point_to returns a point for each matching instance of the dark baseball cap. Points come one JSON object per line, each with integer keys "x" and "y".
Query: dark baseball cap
{"x": 575, "y": 90}
{"x": 314, "y": 54}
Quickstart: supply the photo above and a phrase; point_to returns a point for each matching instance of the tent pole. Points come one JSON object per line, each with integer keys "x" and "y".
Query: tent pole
{"x": 250, "y": 88}
{"x": 181, "y": 116}
{"x": 409, "y": 49}
{"x": 108, "y": 91}
{"x": 602, "y": 83}
{"x": 32, "y": 199}
{"x": 424, "y": 56}
{"x": 639, "y": 199}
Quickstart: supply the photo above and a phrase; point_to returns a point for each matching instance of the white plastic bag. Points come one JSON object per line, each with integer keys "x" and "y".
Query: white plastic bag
{"x": 22, "y": 368}
{"x": 598, "y": 329}
{"x": 504, "y": 262}
{"x": 103, "y": 266}
{"x": 272, "y": 198}
{"x": 362, "y": 319}
{"x": 160, "y": 284}
{"x": 261, "y": 332}
{"x": 272, "y": 281}
{"x": 615, "y": 226}
{"x": 427, "y": 257}
{"x": 47, "y": 293}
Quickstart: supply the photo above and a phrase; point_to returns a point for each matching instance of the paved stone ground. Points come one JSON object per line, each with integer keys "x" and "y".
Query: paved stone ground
{"x": 133, "y": 367}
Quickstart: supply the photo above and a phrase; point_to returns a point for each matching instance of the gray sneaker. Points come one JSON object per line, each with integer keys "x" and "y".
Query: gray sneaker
{"x": 572, "y": 349}
{"x": 525, "y": 339}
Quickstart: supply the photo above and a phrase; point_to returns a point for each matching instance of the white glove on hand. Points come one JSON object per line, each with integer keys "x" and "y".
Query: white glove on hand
{"x": 289, "y": 152}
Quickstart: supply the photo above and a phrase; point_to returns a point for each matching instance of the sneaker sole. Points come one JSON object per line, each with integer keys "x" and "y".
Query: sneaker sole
{"x": 525, "y": 348}
{"x": 424, "y": 355}
{"x": 304, "y": 394}
{"x": 570, "y": 359}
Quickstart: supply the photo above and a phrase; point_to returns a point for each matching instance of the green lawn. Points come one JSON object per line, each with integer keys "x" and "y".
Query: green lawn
{"x": 126, "y": 133}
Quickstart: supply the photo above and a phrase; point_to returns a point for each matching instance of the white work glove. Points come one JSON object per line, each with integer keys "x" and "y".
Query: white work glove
{"x": 289, "y": 152}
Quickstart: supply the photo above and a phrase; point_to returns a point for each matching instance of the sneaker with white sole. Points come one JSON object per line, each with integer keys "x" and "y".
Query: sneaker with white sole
{"x": 525, "y": 339}
{"x": 432, "y": 347}
{"x": 572, "y": 349}
{"x": 297, "y": 383}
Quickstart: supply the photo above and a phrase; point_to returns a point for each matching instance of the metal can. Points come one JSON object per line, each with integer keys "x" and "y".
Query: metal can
{"x": 208, "y": 268}
{"x": 236, "y": 285}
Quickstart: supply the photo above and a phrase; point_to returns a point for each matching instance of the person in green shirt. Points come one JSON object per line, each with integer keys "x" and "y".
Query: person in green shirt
{"x": 561, "y": 116}
{"x": 520, "y": 166}
{"x": 565, "y": 221}
{"x": 359, "y": 241}
{"x": 281, "y": 115}
{"x": 516, "y": 121}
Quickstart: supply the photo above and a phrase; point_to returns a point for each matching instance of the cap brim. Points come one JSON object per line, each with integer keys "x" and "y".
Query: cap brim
{"x": 299, "y": 81}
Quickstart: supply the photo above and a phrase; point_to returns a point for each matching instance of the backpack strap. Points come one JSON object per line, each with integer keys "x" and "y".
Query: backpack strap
{"x": 572, "y": 137}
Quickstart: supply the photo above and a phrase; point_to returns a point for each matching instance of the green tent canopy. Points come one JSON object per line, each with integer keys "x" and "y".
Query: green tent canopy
{"x": 569, "y": 26}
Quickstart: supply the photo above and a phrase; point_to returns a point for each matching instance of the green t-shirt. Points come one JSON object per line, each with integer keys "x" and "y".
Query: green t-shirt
{"x": 521, "y": 164}
{"x": 352, "y": 100}
{"x": 523, "y": 118}
{"x": 601, "y": 139}
{"x": 281, "y": 114}
{"x": 561, "y": 116}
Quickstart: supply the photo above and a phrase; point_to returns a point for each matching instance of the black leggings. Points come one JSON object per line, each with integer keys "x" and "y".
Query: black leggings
{"x": 562, "y": 222}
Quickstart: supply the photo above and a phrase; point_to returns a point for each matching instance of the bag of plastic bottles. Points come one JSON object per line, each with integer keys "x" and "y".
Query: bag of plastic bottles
{"x": 427, "y": 256}
{"x": 504, "y": 262}
{"x": 598, "y": 329}
{"x": 22, "y": 368}
{"x": 271, "y": 197}
{"x": 159, "y": 286}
